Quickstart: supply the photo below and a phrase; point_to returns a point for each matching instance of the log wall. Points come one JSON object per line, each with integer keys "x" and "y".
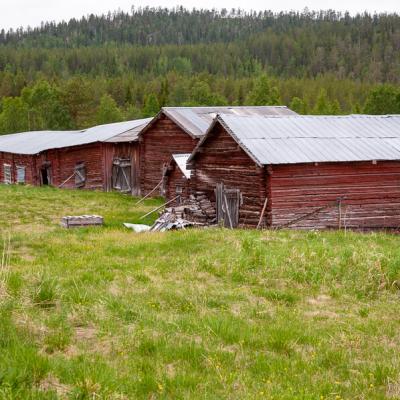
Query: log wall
{"x": 370, "y": 195}
{"x": 157, "y": 144}
{"x": 63, "y": 162}
{"x": 174, "y": 179}
{"x": 221, "y": 160}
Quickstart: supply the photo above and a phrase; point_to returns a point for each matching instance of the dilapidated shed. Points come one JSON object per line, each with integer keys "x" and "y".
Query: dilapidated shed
{"x": 301, "y": 171}
{"x": 104, "y": 157}
{"x": 177, "y": 130}
{"x": 177, "y": 178}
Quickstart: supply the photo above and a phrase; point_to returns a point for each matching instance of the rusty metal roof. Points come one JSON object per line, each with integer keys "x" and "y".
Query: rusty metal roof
{"x": 38, "y": 141}
{"x": 196, "y": 120}
{"x": 304, "y": 139}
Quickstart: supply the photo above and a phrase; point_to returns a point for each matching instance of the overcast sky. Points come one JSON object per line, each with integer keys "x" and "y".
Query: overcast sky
{"x": 16, "y": 13}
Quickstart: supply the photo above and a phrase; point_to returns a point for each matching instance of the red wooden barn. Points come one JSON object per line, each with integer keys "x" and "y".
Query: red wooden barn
{"x": 302, "y": 171}
{"x": 104, "y": 157}
{"x": 177, "y": 178}
{"x": 177, "y": 130}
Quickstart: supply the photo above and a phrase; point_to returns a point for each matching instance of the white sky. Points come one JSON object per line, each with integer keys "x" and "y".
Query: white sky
{"x": 16, "y": 13}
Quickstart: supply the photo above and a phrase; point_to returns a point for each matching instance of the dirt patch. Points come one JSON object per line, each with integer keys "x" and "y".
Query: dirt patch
{"x": 85, "y": 333}
{"x": 115, "y": 289}
{"x": 320, "y": 300}
{"x": 321, "y": 314}
{"x": 170, "y": 370}
{"x": 51, "y": 383}
{"x": 393, "y": 390}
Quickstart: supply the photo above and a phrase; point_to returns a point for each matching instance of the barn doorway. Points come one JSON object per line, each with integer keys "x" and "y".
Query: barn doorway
{"x": 121, "y": 175}
{"x": 45, "y": 174}
{"x": 228, "y": 202}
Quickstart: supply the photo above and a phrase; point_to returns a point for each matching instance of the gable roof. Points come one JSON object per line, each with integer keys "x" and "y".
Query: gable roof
{"x": 37, "y": 141}
{"x": 304, "y": 139}
{"x": 196, "y": 120}
{"x": 181, "y": 160}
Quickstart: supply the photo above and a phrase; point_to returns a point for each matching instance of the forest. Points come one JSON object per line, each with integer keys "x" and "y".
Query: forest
{"x": 119, "y": 66}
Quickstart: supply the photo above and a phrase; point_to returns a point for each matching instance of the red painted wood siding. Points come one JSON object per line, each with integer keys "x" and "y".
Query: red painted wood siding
{"x": 221, "y": 160}
{"x": 63, "y": 162}
{"x": 157, "y": 145}
{"x": 15, "y": 160}
{"x": 371, "y": 194}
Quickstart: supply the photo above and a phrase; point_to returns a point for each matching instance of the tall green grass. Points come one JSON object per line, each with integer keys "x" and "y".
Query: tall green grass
{"x": 209, "y": 314}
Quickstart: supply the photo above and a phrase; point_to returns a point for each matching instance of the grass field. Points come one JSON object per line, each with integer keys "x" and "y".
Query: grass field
{"x": 104, "y": 313}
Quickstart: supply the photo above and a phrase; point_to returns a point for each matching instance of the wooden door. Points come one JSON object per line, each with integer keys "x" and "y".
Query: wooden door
{"x": 228, "y": 202}
{"x": 121, "y": 176}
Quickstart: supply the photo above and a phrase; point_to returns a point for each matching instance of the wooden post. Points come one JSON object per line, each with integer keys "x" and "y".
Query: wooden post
{"x": 262, "y": 212}
{"x": 156, "y": 209}
{"x": 68, "y": 179}
{"x": 227, "y": 212}
{"x": 152, "y": 191}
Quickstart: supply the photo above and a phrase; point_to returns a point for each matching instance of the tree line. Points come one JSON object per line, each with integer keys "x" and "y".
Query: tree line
{"x": 121, "y": 66}
{"x": 79, "y": 102}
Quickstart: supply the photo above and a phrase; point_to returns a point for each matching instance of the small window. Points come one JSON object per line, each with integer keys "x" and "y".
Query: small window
{"x": 21, "y": 174}
{"x": 178, "y": 190}
{"x": 7, "y": 173}
{"x": 80, "y": 175}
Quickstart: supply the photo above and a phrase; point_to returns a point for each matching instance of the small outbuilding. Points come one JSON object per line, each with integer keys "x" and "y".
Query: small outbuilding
{"x": 301, "y": 171}
{"x": 177, "y": 130}
{"x": 104, "y": 157}
{"x": 177, "y": 178}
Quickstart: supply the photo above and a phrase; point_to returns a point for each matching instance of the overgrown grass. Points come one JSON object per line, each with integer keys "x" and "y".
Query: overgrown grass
{"x": 209, "y": 314}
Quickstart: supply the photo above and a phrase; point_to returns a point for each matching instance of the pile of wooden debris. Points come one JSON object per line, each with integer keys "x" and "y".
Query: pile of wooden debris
{"x": 198, "y": 208}
{"x": 168, "y": 221}
{"x": 195, "y": 211}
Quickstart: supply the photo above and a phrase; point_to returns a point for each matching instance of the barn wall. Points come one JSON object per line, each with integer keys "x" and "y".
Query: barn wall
{"x": 15, "y": 160}
{"x": 158, "y": 143}
{"x": 122, "y": 150}
{"x": 371, "y": 195}
{"x": 63, "y": 162}
{"x": 175, "y": 178}
{"x": 221, "y": 160}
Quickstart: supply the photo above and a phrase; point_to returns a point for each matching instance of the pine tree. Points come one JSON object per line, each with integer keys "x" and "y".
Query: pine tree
{"x": 298, "y": 105}
{"x": 151, "y": 106}
{"x": 263, "y": 93}
{"x": 384, "y": 99}
{"x": 14, "y": 116}
{"x": 322, "y": 105}
{"x": 108, "y": 111}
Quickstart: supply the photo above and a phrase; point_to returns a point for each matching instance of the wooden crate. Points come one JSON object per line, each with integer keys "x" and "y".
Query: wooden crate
{"x": 70, "y": 221}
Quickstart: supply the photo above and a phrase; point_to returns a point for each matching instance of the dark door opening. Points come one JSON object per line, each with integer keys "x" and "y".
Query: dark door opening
{"x": 45, "y": 175}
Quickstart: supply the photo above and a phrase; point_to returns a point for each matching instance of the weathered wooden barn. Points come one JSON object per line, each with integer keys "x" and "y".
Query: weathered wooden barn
{"x": 177, "y": 130}
{"x": 104, "y": 157}
{"x": 301, "y": 171}
{"x": 177, "y": 178}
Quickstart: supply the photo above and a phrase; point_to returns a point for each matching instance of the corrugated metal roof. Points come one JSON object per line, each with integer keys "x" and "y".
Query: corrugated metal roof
{"x": 196, "y": 120}
{"x": 303, "y": 139}
{"x": 38, "y": 141}
{"x": 181, "y": 160}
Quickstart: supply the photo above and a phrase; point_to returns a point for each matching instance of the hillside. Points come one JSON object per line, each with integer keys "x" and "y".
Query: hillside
{"x": 100, "y": 69}
{"x": 106, "y": 313}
